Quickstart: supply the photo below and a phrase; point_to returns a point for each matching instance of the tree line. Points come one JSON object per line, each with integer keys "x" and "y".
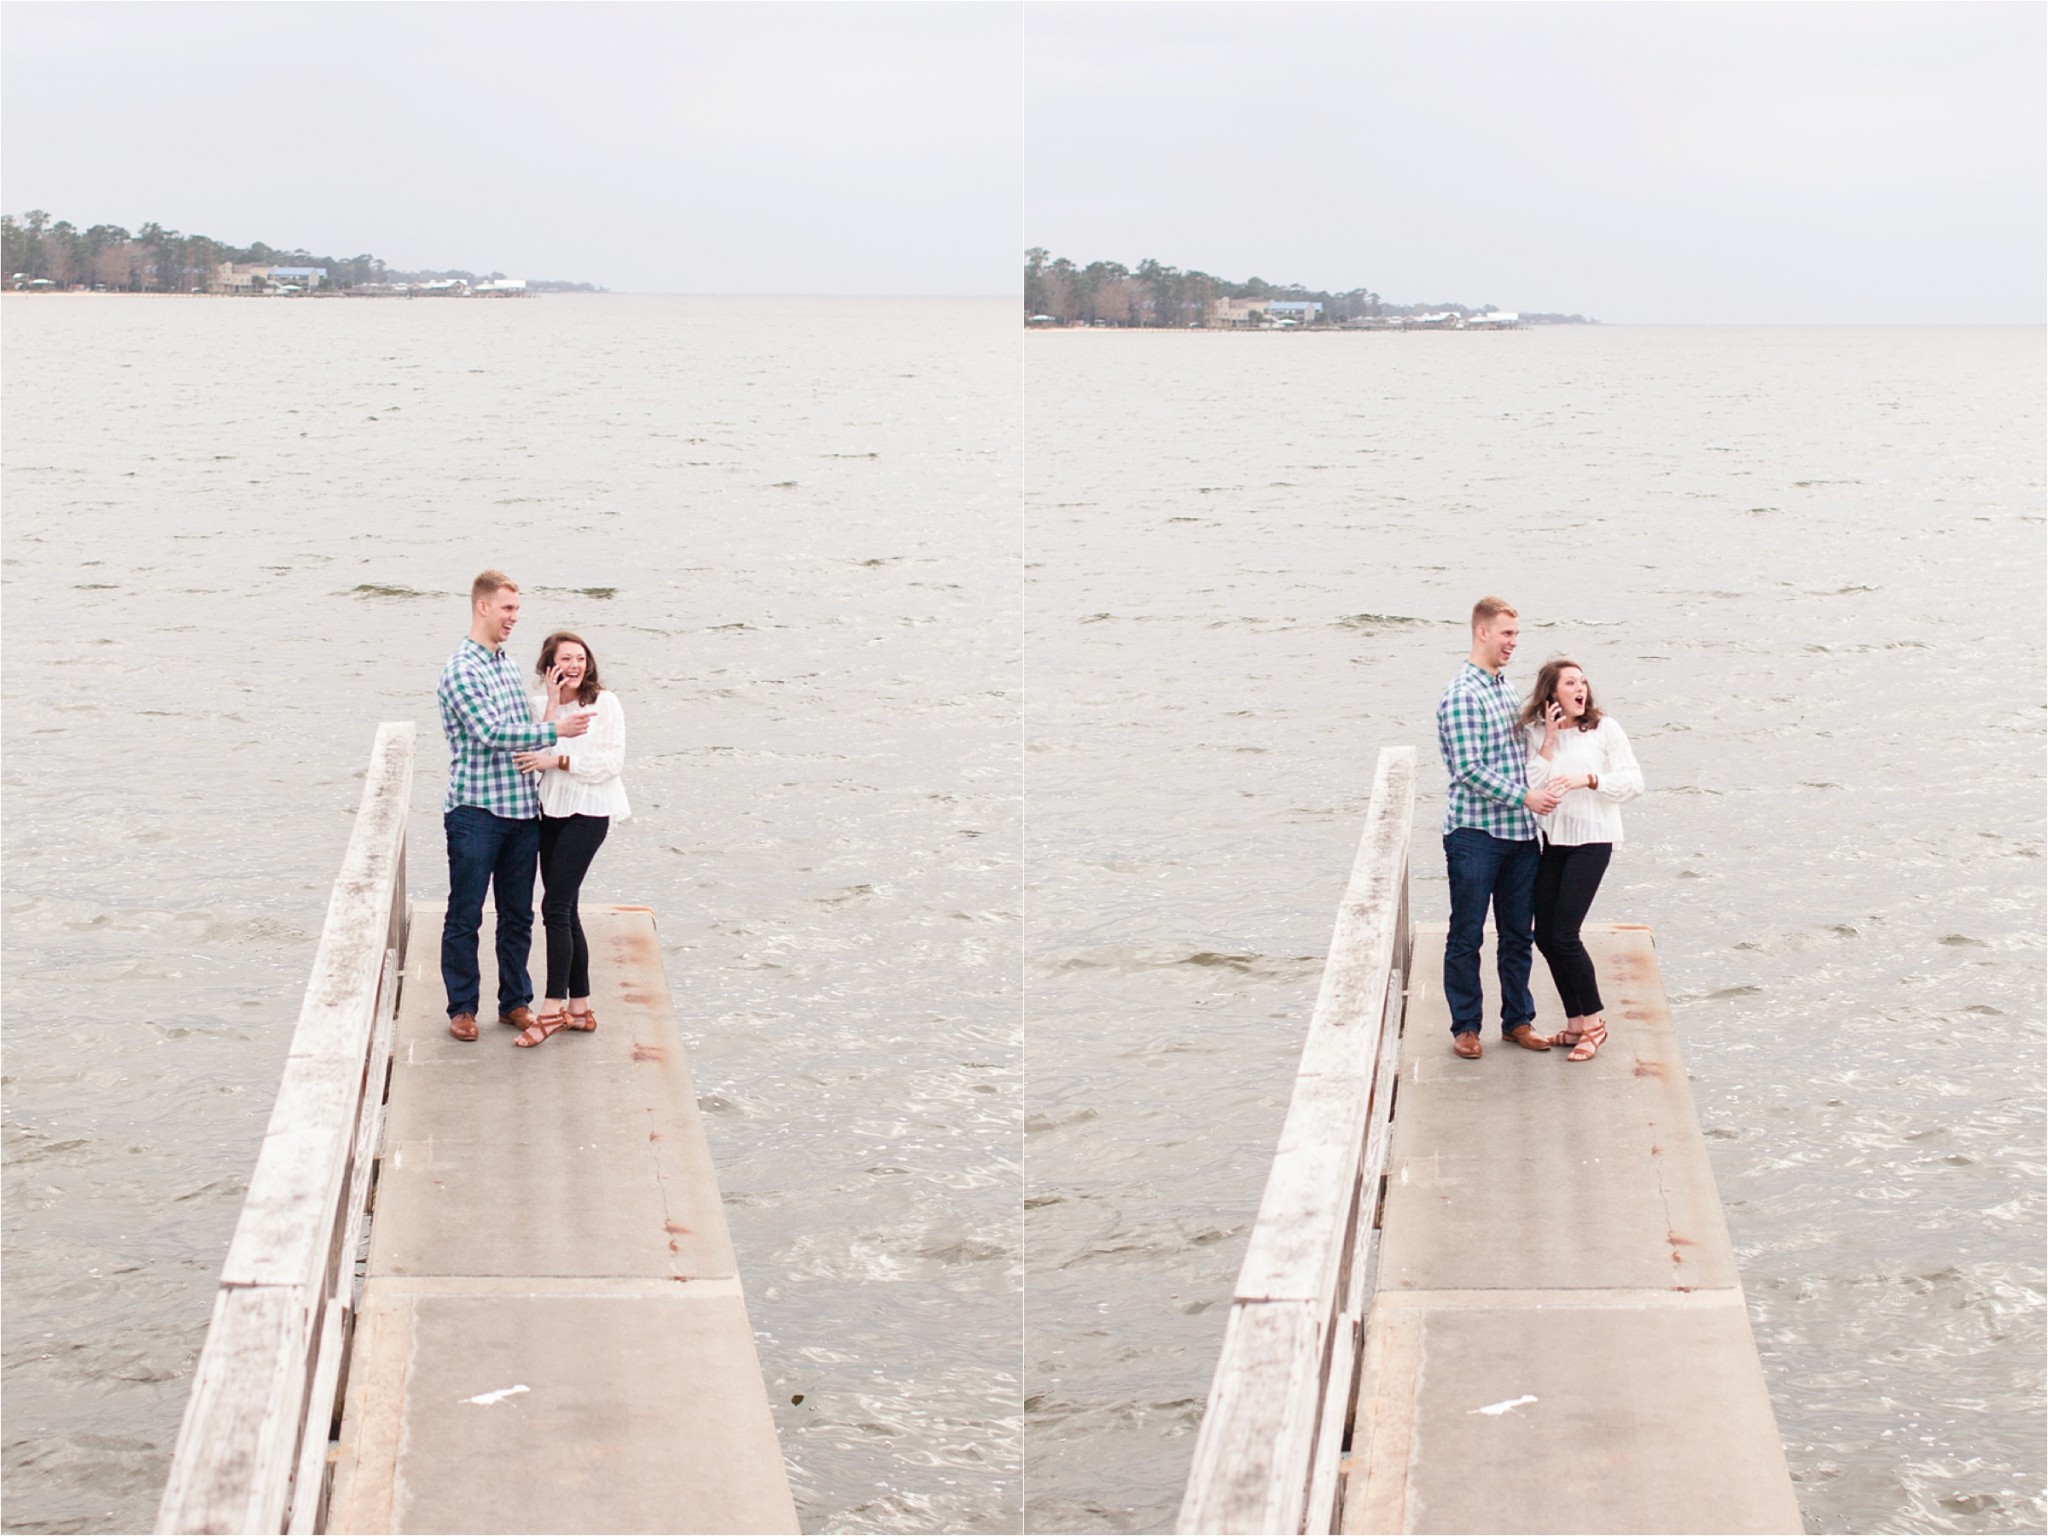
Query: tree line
{"x": 1153, "y": 294}
{"x": 153, "y": 259}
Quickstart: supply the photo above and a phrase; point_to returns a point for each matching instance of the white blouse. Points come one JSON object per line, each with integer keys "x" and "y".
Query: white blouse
{"x": 590, "y": 785}
{"x": 1586, "y": 815}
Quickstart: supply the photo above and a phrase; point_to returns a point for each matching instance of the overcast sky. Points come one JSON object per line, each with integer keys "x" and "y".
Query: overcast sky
{"x": 743, "y": 148}
{"x": 1635, "y": 162}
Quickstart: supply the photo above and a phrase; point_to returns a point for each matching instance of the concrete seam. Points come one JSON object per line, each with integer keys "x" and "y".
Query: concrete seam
{"x": 1509, "y": 1298}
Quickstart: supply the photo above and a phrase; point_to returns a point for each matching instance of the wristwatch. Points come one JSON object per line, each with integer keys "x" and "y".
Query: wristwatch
{"x": 1592, "y": 781}
{"x": 562, "y": 760}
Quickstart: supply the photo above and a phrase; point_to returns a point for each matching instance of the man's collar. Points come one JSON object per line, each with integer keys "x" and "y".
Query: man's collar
{"x": 1491, "y": 676}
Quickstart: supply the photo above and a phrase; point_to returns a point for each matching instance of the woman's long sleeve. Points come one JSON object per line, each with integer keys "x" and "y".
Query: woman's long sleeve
{"x": 1540, "y": 767}
{"x": 1622, "y": 778}
{"x": 603, "y": 754}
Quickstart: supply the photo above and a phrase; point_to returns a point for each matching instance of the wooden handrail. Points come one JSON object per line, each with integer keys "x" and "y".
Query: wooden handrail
{"x": 1266, "y": 1457}
{"x": 251, "y": 1451}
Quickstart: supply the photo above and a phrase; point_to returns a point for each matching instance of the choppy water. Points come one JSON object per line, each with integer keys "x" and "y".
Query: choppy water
{"x": 238, "y": 534}
{"x": 1804, "y": 568}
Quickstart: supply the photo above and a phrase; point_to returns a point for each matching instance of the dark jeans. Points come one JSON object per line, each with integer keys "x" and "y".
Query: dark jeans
{"x": 567, "y": 845}
{"x": 495, "y": 851}
{"x": 1565, "y": 882}
{"x": 1484, "y": 870}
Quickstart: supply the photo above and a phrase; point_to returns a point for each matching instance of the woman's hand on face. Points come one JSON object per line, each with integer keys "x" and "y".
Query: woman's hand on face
{"x": 532, "y": 762}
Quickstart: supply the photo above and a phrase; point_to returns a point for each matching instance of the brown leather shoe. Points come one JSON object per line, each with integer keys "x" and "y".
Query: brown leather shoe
{"x": 1526, "y": 1037}
{"x": 462, "y": 1026}
{"x": 1467, "y": 1045}
{"x": 520, "y": 1018}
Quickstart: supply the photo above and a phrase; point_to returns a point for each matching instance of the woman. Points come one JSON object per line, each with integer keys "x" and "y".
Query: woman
{"x": 580, "y": 797}
{"x": 1584, "y": 755}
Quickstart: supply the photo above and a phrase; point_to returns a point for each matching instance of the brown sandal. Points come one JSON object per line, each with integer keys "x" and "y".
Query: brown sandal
{"x": 1591, "y": 1038}
{"x": 585, "y": 1022}
{"x": 543, "y": 1025}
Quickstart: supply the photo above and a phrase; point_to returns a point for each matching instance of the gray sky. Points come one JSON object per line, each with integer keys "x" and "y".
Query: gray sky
{"x": 1637, "y": 162}
{"x": 1710, "y": 162}
{"x": 746, "y": 148}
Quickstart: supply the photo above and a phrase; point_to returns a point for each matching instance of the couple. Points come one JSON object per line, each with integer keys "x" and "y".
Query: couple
{"x": 526, "y": 780}
{"x": 1554, "y": 765}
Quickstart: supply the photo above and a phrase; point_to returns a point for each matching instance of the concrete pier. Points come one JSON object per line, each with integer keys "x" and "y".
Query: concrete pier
{"x": 1557, "y": 1340}
{"x": 1483, "y": 1296}
{"x": 547, "y": 1333}
{"x": 551, "y": 1335}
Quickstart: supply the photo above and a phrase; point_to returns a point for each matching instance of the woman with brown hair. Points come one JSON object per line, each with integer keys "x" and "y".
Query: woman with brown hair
{"x": 580, "y": 797}
{"x": 1585, "y": 756}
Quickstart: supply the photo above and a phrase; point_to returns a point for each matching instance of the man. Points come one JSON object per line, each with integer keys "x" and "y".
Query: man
{"x": 1489, "y": 835}
{"x": 492, "y": 811}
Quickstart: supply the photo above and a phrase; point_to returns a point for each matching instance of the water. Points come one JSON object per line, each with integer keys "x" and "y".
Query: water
{"x": 240, "y": 533}
{"x": 1804, "y": 568}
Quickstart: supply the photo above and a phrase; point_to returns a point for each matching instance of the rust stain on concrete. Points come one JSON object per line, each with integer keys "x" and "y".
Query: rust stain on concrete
{"x": 648, "y": 1052}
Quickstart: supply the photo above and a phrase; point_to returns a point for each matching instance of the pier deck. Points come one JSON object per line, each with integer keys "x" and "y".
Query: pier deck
{"x": 1557, "y": 1340}
{"x": 551, "y": 1334}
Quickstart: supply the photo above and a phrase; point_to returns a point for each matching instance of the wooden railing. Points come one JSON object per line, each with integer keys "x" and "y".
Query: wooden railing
{"x": 252, "y": 1450}
{"x": 1267, "y": 1457}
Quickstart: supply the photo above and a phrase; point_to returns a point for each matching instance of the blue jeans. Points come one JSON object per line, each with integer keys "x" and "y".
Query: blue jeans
{"x": 500, "y": 852}
{"x": 1502, "y": 871}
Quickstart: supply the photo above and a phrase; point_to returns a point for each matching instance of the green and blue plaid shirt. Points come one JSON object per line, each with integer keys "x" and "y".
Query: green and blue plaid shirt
{"x": 1484, "y": 755}
{"x": 486, "y": 718}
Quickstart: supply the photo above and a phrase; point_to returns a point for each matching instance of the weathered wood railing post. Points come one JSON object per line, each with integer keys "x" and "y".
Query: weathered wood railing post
{"x": 1266, "y": 1458}
{"x": 251, "y": 1452}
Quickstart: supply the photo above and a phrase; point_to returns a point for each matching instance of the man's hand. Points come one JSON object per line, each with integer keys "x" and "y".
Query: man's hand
{"x": 1541, "y": 799}
{"x": 574, "y": 725}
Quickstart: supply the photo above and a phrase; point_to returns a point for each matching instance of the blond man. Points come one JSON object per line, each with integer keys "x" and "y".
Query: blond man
{"x": 1490, "y": 850}
{"x": 492, "y": 811}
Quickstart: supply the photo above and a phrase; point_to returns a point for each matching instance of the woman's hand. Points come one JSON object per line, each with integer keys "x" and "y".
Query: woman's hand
{"x": 533, "y": 762}
{"x": 1553, "y": 722}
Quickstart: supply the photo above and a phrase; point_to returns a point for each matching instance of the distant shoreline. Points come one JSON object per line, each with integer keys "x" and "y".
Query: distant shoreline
{"x": 43, "y": 255}
{"x": 1378, "y": 323}
{"x": 1063, "y": 294}
{"x": 322, "y": 294}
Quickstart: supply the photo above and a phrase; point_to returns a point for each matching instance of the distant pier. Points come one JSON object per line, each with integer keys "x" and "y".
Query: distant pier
{"x": 546, "y": 1331}
{"x": 1492, "y": 1296}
